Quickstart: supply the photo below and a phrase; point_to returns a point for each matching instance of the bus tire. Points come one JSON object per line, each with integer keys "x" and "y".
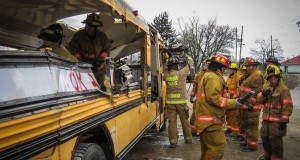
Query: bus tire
{"x": 89, "y": 151}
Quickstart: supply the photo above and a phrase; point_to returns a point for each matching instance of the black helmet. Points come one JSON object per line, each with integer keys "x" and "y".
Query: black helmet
{"x": 172, "y": 60}
{"x": 273, "y": 60}
{"x": 178, "y": 48}
{"x": 93, "y": 19}
{"x": 52, "y": 33}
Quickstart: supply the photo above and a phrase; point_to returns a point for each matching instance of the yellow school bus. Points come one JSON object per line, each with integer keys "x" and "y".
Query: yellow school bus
{"x": 53, "y": 108}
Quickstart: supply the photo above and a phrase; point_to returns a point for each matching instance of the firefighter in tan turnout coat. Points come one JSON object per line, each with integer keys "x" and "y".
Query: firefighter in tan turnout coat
{"x": 232, "y": 89}
{"x": 278, "y": 106}
{"x": 210, "y": 113}
{"x": 251, "y": 109}
{"x": 194, "y": 91}
{"x": 176, "y": 100}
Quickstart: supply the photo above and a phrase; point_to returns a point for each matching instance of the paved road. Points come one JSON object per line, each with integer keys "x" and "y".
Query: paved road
{"x": 155, "y": 146}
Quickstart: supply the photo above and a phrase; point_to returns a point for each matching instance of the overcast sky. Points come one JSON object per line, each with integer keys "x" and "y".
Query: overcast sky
{"x": 260, "y": 18}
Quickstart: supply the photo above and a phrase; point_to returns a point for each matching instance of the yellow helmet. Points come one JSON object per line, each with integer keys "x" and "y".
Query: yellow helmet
{"x": 272, "y": 70}
{"x": 244, "y": 68}
{"x": 233, "y": 66}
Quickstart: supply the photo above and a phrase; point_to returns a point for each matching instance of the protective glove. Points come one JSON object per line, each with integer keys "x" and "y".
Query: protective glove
{"x": 250, "y": 107}
{"x": 267, "y": 92}
{"x": 192, "y": 99}
{"x": 282, "y": 125}
{"x": 238, "y": 104}
{"x": 101, "y": 60}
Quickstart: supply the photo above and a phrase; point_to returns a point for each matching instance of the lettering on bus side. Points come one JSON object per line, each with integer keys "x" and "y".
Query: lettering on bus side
{"x": 79, "y": 84}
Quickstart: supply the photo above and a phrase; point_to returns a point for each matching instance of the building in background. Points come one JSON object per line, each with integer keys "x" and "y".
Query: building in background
{"x": 291, "y": 65}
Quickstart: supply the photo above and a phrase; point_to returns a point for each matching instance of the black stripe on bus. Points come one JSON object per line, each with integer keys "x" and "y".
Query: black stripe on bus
{"x": 15, "y": 108}
{"x": 33, "y": 147}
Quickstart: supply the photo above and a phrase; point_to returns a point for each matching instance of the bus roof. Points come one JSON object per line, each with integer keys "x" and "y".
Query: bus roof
{"x": 21, "y": 21}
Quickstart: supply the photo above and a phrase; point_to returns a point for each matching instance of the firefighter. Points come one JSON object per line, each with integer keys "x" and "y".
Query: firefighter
{"x": 176, "y": 100}
{"x": 210, "y": 114}
{"x": 272, "y": 60}
{"x": 240, "y": 137}
{"x": 251, "y": 109}
{"x": 278, "y": 107}
{"x": 232, "y": 89}
{"x": 197, "y": 79}
{"x": 52, "y": 37}
{"x": 92, "y": 46}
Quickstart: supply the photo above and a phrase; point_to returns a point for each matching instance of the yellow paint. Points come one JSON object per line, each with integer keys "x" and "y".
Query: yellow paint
{"x": 64, "y": 151}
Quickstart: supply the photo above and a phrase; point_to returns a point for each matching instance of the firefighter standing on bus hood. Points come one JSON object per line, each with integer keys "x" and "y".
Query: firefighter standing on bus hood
{"x": 195, "y": 103}
{"x": 210, "y": 114}
{"x": 278, "y": 106}
{"x": 251, "y": 109}
{"x": 92, "y": 46}
{"x": 176, "y": 99}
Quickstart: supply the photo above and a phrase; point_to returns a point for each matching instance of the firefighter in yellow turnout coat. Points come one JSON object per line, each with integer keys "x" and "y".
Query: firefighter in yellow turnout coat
{"x": 251, "y": 109}
{"x": 210, "y": 114}
{"x": 176, "y": 100}
{"x": 278, "y": 107}
{"x": 194, "y": 91}
{"x": 232, "y": 88}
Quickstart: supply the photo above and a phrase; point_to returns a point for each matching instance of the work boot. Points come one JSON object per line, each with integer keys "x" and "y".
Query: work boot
{"x": 238, "y": 139}
{"x": 195, "y": 134}
{"x": 173, "y": 145}
{"x": 188, "y": 140}
{"x": 243, "y": 144}
{"x": 227, "y": 133}
{"x": 262, "y": 157}
{"x": 248, "y": 149}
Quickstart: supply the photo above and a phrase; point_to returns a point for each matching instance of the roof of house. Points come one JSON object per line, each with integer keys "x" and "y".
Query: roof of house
{"x": 295, "y": 60}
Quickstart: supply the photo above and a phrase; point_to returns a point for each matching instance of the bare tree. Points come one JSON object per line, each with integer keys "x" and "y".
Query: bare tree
{"x": 263, "y": 50}
{"x": 205, "y": 40}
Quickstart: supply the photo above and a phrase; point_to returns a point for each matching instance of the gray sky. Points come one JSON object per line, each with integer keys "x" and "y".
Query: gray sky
{"x": 260, "y": 18}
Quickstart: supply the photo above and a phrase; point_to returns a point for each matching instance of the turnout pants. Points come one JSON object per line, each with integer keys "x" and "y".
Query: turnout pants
{"x": 213, "y": 142}
{"x": 250, "y": 125}
{"x": 271, "y": 136}
{"x": 171, "y": 113}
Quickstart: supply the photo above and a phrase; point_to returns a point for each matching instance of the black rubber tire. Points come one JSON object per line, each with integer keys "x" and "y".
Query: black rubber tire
{"x": 89, "y": 151}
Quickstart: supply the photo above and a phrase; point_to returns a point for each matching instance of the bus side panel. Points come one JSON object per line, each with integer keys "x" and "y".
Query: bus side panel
{"x": 126, "y": 127}
{"x": 63, "y": 151}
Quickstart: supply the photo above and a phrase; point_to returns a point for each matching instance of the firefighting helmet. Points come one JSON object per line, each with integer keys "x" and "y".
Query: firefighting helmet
{"x": 244, "y": 68}
{"x": 205, "y": 63}
{"x": 178, "y": 48}
{"x": 272, "y": 59}
{"x": 250, "y": 61}
{"x": 272, "y": 70}
{"x": 241, "y": 61}
{"x": 233, "y": 66}
{"x": 93, "y": 19}
{"x": 172, "y": 60}
{"x": 52, "y": 33}
{"x": 221, "y": 60}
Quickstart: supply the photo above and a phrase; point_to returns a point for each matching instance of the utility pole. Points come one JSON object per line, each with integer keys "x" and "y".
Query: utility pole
{"x": 236, "y": 58}
{"x": 271, "y": 47}
{"x": 241, "y": 43}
